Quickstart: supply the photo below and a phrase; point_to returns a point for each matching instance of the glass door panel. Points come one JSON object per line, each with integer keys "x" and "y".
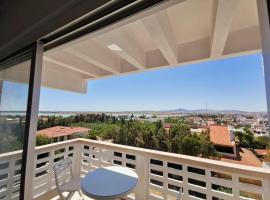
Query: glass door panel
{"x": 14, "y": 86}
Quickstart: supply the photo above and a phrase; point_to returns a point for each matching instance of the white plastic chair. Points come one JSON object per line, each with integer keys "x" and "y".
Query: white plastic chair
{"x": 71, "y": 185}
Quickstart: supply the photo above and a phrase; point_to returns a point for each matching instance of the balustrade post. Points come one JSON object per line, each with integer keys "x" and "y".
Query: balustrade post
{"x": 235, "y": 186}
{"x": 142, "y": 168}
{"x": 208, "y": 184}
{"x": 51, "y": 181}
{"x": 185, "y": 181}
{"x": 11, "y": 171}
{"x": 266, "y": 189}
{"x": 77, "y": 159}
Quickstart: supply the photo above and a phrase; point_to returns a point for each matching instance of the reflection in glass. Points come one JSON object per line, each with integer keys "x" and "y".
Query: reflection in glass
{"x": 14, "y": 83}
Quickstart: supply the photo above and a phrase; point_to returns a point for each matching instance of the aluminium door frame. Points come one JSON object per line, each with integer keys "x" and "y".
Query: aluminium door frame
{"x": 29, "y": 139}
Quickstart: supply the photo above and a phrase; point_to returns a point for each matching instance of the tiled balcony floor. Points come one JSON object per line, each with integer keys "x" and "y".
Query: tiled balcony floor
{"x": 76, "y": 196}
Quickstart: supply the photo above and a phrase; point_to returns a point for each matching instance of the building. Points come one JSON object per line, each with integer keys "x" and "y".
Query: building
{"x": 62, "y": 133}
{"x": 198, "y": 130}
{"x": 167, "y": 127}
{"x": 223, "y": 139}
{"x": 260, "y": 129}
{"x": 264, "y": 156}
{"x": 210, "y": 122}
{"x": 243, "y": 157}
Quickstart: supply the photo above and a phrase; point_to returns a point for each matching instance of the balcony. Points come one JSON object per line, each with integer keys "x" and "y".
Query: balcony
{"x": 161, "y": 174}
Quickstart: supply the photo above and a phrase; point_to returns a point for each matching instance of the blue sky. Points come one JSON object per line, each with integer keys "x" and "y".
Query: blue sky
{"x": 234, "y": 83}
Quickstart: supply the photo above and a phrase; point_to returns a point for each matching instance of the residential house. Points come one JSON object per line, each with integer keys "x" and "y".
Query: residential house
{"x": 62, "y": 133}
{"x": 223, "y": 140}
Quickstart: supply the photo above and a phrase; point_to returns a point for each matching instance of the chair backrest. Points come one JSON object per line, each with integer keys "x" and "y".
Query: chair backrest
{"x": 61, "y": 168}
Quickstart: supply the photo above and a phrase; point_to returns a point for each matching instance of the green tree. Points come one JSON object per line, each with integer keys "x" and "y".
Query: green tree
{"x": 132, "y": 132}
{"x": 239, "y": 135}
{"x": 207, "y": 148}
{"x": 42, "y": 140}
{"x": 262, "y": 142}
{"x": 247, "y": 140}
{"x": 9, "y": 143}
{"x": 191, "y": 145}
{"x": 92, "y": 135}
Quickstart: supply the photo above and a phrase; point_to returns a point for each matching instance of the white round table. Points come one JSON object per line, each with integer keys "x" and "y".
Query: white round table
{"x": 109, "y": 182}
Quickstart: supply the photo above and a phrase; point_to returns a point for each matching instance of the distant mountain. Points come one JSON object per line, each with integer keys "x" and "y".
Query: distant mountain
{"x": 181, "y": 110}
{"x": 209, "y": 111}
{"x": 176, "y": 110}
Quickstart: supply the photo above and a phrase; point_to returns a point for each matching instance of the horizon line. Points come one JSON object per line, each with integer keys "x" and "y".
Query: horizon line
{"x": 169, "y": 110}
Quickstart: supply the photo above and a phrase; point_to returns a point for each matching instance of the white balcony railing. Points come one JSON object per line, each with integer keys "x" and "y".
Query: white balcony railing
{"x": 161, "y": 174}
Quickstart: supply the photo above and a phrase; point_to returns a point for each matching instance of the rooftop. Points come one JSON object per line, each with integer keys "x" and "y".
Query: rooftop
{"x": 220, "y": 135}
{"x": 243, "y": 157}
{"x": 262, "y": 152}
{"x": 58, "y": 131}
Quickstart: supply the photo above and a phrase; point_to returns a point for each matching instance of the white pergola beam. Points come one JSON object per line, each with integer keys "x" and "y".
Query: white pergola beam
{"x": 53, "y": 77}
{"x": 80, "y": 69}
{"x": 124, "y": 46}
{"x": 222, "y": 16}
{"x": 159, "y": 27}
{"x": 97, "y": 55}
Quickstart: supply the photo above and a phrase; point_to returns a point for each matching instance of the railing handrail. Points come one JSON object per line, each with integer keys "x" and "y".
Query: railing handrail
{"x": 174, "y": 170}
{"x": 10, "y": 154}
{"x": 190, "y": 160}
{"x": 63, "y": 143}
{"x": 185, "y": 159}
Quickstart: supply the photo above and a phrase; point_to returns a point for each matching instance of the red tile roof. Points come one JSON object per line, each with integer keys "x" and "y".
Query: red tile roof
{"x": 243, "y": 157}
{"x": 220, "y": 135}
{"x": 58, "y": 131}
{"x": 262, "y": 152}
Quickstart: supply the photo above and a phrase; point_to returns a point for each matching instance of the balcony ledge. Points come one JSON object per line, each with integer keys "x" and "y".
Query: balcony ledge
{"x": 161, "y": 174}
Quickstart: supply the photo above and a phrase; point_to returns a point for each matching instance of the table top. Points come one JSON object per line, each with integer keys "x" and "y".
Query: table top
{"x": 109, "y": 182}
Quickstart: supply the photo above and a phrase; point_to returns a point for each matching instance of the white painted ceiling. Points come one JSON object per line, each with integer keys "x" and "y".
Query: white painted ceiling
{"x": 186, "y": 32}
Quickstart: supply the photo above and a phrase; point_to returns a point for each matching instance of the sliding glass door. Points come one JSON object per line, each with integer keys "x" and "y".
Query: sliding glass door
{"x": 17, "y": 75}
